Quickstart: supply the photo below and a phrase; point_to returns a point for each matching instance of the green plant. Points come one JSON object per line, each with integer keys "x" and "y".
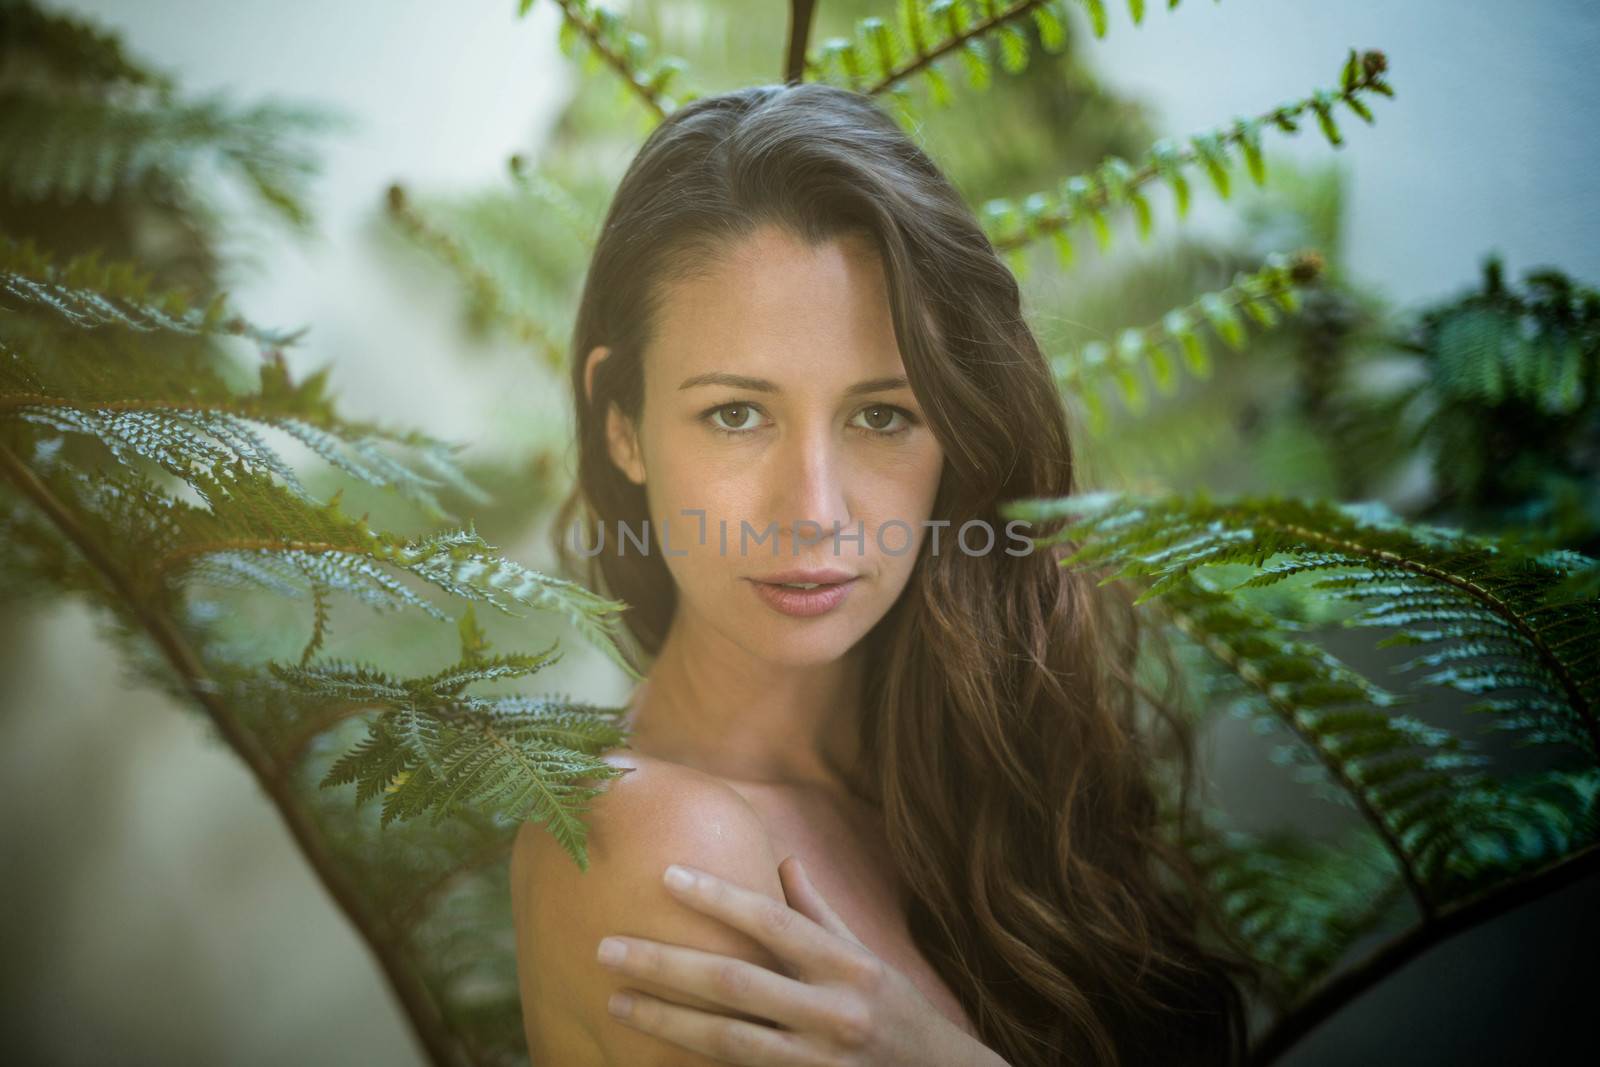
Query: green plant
{"x": 133, "y": 442}
{"x": 1442, "y": 828}
{"x": 136, "y": 417}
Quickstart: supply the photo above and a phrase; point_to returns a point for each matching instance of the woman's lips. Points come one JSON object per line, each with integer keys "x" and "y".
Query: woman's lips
{"x": 803, "y": 602}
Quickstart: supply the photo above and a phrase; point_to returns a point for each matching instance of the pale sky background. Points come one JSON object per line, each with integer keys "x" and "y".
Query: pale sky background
{"x": 153, "y": 892}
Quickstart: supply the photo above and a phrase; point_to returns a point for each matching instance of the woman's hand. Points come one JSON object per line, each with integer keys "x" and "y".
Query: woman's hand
{"x": 845, "y": 1008}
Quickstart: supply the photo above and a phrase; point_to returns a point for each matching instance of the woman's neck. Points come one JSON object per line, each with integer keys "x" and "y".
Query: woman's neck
{"x": 708, "y": 704}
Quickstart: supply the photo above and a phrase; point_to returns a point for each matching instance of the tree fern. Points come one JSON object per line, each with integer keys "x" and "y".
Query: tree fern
{"x": 82, "y": 120}
{"x": 1525, "y": 362}
{"x": 1439, "y": 827}
{"x": 140, "y": 469}
{"x": 142, "y": 474}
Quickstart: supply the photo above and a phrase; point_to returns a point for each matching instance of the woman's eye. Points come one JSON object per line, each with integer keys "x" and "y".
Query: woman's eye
{"x": 877, "y": 421}
{"x": 731, "y": 418}
{"x": 880, "y": 419}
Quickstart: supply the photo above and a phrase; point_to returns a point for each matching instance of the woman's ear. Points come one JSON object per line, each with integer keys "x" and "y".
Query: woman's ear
{"x": 623, "y": 438}
{"x": 596, "y": 354}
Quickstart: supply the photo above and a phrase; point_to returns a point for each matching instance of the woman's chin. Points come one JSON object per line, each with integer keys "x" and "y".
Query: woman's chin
{"x": 785, "y": 644}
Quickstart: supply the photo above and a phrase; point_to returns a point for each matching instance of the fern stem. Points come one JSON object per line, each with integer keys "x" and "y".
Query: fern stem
{"x": 1303, "y": 269}
{"x": 794, "y": 62}
{"x": 294, "y": 750}
{"x": 1388, "y": 958}
{"x": 1547, "y": 655}
{"x": 23, "y": 400}
{"x": 978, "y": 29}
{"x": 1242, "y": 667}
{"x": 612, "y": 58}
{"x": 1099, "y": 198}
{"x": 483, "y": 285}
{"x": 429, "y": 1024}
{"x": 407, "y": 914}
{"x": 237, "y": 544}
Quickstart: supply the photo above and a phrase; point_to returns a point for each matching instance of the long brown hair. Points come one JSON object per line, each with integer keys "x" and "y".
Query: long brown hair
{"x": 1018, "y": 791}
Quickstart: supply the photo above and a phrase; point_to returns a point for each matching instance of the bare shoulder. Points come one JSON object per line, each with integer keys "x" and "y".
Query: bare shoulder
{"x": 656, "y": 810}
{"x": 655, "y": 814}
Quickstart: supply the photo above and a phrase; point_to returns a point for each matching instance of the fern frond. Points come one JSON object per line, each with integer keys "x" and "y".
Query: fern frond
{"x": 455, "y": 563}
{"x": 539, "y": 187}
{"x": 485, "y": 290}
{"x": 255, "y": 529}
{"x": 1115, "y": 183}
{"x": 627, "y": 52}
{"x": 1395, "y": 770}
{"x": 1300, "y": 904}
{"x": 1513, "y": 826}
{"x": 87, "y": 293}
{"x": 256, "y": 534}
{"x": 434, "y": 750}
{"x": 1175, "y": 339}
{"x": 878, "y": 57}
{"x": 69, "y": 147}
{"x": 1489, "y": 351}
{"x": 1431, "y": 584}
{"x": 150, "y": 391}
{"x": 73, "y": 49}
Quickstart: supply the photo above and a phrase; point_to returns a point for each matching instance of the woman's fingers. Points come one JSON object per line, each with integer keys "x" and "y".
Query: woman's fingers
{"x": 729, "y": 1040}
{"x": 798, "y": 940}
{"x": 733, "y": 983}
{"x": 804, "y": 895}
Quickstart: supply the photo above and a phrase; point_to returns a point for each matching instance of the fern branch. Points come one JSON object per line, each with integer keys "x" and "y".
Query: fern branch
{"x": 435, "y": 752}
{"x": 87, "y": 294}
{"x": 118, "y": 385}
{"x": 958, "y": 38}
{"x": 794, "y": 49}
{"x": 1299, "y": 903}
{"x": 1500, "y": 590}
{"x": 431, "y": 1027}
{"x": 1195, "y": 611}
{"x": 624, "y": 51}
{"x": 483, "y": 286}
{"x": 74, "y": 49}
{"x": 929, "y": 32}
{"x": 1017, "y": 223}
{"x": 550, "y": 193}
{"x": 245, "y": 525}
{"x": 1175, "y": 338}
{"x": 1490, "y": 595}
{"x": 70, "y": 147}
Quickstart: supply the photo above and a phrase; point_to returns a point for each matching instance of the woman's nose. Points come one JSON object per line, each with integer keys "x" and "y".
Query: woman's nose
{"x": 810, "y": 495}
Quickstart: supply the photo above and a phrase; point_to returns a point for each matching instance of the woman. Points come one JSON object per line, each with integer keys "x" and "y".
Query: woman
{"x": 799, "y": 359}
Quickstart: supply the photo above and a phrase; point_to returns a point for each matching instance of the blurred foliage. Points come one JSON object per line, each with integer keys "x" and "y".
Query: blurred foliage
{"x": 143, "y": 423}
{"x": 1230, "y": 387}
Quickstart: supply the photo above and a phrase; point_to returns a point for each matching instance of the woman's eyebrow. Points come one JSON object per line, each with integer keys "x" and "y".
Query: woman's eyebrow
{"x": 763, "y": 385}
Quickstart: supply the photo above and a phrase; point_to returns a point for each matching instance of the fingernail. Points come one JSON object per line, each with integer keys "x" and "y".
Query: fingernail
{"x": 612, "y": 951}
{"x": 678, "y": 878}
{"x": 619, "y": 1005}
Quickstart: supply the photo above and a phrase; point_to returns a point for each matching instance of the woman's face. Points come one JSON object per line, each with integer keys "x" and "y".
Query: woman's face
{"x": 776, "y": 404}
